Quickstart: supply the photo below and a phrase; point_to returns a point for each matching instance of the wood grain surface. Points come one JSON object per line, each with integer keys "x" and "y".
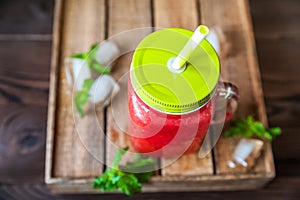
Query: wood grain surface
{"x": 71, "y": 131}
{"x": 238, "y": 53}
{"x": 26, "y": 17}
{"x": 24, "y": 84}
{"x": 164, "y": 17}
{"x": 278, "y": 58}
{"x": 137, "y": 15}
{"x": 166, "y": 14}
{"x": 20, "y": 179}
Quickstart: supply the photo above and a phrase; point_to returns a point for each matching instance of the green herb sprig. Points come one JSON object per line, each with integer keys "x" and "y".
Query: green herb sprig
{"x": 115, "y": 178}
{"x": 91, "y": 61}
{"x": 82, "y": 96}
{"x": 249, "y": 128}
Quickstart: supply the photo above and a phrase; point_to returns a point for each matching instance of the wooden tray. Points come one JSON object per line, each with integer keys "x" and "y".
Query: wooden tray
{"x": 70, "y": 168}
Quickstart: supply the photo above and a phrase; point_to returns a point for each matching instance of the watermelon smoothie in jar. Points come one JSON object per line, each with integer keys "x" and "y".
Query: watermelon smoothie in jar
{"x": 173, "y": 81}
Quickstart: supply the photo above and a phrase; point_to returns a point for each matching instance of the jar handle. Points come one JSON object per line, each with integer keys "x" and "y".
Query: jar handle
{"x": 226, "y": 102}
{"x": 230, "y": 92}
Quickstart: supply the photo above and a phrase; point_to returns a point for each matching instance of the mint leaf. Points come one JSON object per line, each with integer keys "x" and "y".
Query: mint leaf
{"x": 99, "y": 68}
{"x": 143, "y": 165}
{"x": 118, "y": 157}
{"x": 85, "y": 55}
{"x": 93, "y": 47}
{"x": 257, "y": 127}
{"x": 113, "y": 180}
{"x": 92, "y": 63}
{"x": 81, "y": 97}
{"x": 129, "y": 184}
{"x": 79, "y": 55}
{"x": 116, "y": 179}
{"x": 107, "y": 181}
{"x": 249, "y": 127}
{"x": 87, "y": 84}
{"x": 275, "y": 131}
{"x": 267, "y": 135}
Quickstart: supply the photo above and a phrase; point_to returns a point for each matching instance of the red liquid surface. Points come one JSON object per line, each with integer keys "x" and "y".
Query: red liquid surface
{"x": 159, "y": 134}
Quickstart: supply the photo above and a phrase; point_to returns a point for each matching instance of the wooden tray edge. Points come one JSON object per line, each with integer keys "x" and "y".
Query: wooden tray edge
{"x": 83, "y": 185}
{"x": 52, "y": 88}
{"x": 160, "y": 184}
{"x": 257, "y": 84}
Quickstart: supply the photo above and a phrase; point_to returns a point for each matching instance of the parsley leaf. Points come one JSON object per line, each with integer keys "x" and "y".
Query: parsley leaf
{"x": 117, "y": 179}
{"x": 249, "y": 127}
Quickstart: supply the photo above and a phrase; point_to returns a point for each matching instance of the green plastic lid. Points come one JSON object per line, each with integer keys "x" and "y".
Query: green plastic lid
{"x": 167, "y": 91}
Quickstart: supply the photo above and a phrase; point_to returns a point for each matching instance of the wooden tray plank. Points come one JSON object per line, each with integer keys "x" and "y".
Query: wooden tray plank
{"x": 117, "y": 119}
{"x": 56, "y": 45}
{"x": 238, "y": 55}
{"x": 239, "y": 65}
{"x": 136, "y": 15}
{"x": 189, "y": 165}
{"x": 179, "y": 13}
{"x": 182, "y": 14}
{"x": 128, "y": 14}
{"x": 82, "y": 26}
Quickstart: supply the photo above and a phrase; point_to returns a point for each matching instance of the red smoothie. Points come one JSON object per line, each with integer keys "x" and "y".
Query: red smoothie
{"x": 153, "y": 131}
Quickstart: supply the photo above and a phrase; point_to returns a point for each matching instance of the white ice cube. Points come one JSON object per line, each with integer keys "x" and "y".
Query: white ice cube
{"x": 243, "y": 150}
{"x": 107, "y": 53}
{"x": 76, "y": 72}
{"x": 103, "y": 89}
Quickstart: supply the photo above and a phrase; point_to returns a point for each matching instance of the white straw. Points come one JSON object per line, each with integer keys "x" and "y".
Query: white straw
{"x": 199, "y": 34}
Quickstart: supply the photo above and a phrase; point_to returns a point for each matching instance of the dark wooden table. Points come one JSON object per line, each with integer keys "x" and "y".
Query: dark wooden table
{"x": 25, "y": 50}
